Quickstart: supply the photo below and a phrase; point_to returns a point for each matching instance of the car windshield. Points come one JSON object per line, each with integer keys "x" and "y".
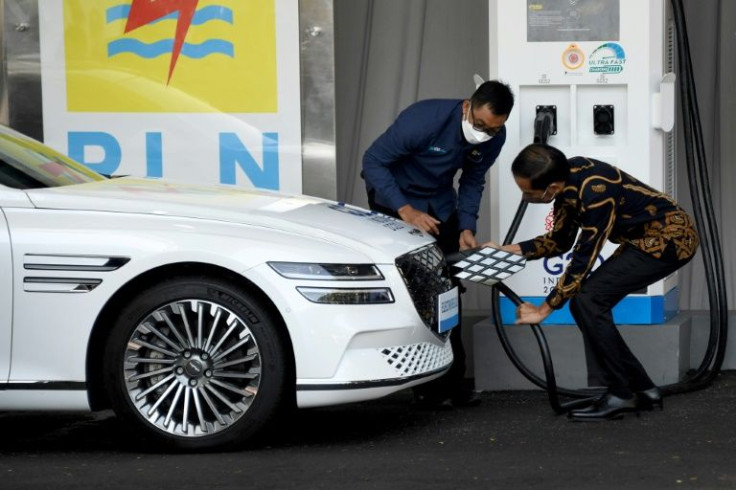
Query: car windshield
{"x": 27, "y": 164}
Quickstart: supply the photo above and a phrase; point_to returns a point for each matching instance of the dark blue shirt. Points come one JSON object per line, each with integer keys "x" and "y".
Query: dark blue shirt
{"x": 415, "y": 161}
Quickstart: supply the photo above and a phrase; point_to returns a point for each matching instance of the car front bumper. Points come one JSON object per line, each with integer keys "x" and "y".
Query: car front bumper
{"x": 368, "y": 373}
{"x": 348, "y": 353}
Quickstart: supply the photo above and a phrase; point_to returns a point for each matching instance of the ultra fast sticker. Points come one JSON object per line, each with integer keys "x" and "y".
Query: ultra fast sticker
{"x": 607, "y": 58}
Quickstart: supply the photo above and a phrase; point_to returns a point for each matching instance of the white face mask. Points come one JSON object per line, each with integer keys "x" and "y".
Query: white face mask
{"x": 473, "y": 136}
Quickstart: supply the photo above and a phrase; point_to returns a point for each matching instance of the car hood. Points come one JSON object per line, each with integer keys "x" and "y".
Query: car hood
{"x": 307, "y": 216}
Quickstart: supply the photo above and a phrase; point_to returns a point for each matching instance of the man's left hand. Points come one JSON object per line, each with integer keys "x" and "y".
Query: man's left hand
{"x": 527, "y": 313}
{"x": 467, "y": 240}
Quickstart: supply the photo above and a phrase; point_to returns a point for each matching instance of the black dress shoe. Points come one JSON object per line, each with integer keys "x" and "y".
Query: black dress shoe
{"x": 586, "y": 405}
{"x": 608, "y": 407}
{"x": 651, "y": 398}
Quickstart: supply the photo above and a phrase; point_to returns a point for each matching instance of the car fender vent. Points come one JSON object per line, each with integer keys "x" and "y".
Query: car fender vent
{"x": 59, "y": 285}
{"x": 88, "y": 263}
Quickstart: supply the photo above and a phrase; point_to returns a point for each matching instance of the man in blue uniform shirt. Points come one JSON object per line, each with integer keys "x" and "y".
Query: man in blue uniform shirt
{"x": 410, "y": 174}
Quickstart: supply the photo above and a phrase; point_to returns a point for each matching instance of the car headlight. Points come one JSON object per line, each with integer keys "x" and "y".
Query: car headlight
{"x": 347, "y": 296}
{"x": 329, "y": 272}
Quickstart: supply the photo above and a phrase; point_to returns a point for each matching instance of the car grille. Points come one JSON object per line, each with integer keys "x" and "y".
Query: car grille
{"x": 426, "y": 276}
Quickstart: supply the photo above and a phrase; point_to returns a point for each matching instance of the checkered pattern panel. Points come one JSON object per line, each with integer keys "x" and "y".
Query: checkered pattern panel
{"x": 488, "y": 266}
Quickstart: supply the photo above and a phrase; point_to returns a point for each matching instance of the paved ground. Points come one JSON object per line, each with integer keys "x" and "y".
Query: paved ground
{"x": 513, "y": 440}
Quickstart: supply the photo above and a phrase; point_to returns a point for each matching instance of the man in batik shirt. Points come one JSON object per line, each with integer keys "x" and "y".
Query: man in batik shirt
{"x": 601, "y": 202}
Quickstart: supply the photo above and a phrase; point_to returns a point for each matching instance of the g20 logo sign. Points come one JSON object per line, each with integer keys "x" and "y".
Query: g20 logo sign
{"x": 556, "y": 265}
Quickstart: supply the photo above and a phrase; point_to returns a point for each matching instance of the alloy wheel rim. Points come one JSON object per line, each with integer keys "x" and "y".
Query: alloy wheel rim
{"x": 192, "y": 368}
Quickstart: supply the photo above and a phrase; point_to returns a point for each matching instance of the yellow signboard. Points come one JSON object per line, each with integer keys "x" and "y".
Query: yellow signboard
{"x": 220, "y": 56}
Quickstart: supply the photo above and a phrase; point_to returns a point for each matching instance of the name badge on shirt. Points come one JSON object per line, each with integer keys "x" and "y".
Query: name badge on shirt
{"x": 437, "y": 150}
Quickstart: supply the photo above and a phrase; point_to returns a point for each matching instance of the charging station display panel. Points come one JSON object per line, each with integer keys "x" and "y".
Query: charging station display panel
{"x": 572, "y": 20}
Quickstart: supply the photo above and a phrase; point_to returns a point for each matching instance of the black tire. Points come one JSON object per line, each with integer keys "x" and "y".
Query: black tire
{"x": 194, "y": 363}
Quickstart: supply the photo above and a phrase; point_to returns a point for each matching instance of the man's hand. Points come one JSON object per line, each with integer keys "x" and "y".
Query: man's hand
{"x": 513, "y": 248}
{"x": 467, "y": 240}
{"x": 528, "y": 313}
{"x": 421, "y": 220}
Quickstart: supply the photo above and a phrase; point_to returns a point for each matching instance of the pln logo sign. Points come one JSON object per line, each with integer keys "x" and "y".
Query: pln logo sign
{"x": 171, "y": 56}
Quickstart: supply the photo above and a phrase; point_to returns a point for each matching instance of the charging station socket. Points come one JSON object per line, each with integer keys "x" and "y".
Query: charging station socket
{"x": 603, "y": 120}
{"x": 553, "y": 110}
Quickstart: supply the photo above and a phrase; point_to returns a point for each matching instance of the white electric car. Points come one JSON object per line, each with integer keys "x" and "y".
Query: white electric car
{"x": 197, "y": 312}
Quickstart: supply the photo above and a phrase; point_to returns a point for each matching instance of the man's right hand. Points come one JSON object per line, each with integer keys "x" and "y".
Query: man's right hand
{"x": 419, "y": 219}
{"x": 514, "y": 248}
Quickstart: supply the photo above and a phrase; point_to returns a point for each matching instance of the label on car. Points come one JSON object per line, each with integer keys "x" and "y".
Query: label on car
{"x": 448, "y": 310}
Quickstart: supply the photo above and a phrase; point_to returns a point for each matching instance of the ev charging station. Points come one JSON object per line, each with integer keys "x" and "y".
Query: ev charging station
{"x": 602, "y": 68}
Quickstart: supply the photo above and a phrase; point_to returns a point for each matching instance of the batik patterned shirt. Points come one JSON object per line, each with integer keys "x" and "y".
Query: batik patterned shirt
{"x": 604, "y": 203}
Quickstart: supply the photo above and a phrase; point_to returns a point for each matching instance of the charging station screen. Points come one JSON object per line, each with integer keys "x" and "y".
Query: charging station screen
{"x": 572, "y": 20}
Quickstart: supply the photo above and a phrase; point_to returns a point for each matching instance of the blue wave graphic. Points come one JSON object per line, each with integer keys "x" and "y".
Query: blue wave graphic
{"x": 154, "y": 50}
{"x": 201, "y": 16}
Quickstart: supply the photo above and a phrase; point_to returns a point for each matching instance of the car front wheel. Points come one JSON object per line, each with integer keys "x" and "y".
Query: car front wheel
{"x": 195, "y": 363}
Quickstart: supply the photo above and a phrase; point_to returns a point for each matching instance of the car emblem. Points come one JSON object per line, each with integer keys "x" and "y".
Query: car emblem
{"x": 416, "y": 232}
{"x": 194, "y": 367}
